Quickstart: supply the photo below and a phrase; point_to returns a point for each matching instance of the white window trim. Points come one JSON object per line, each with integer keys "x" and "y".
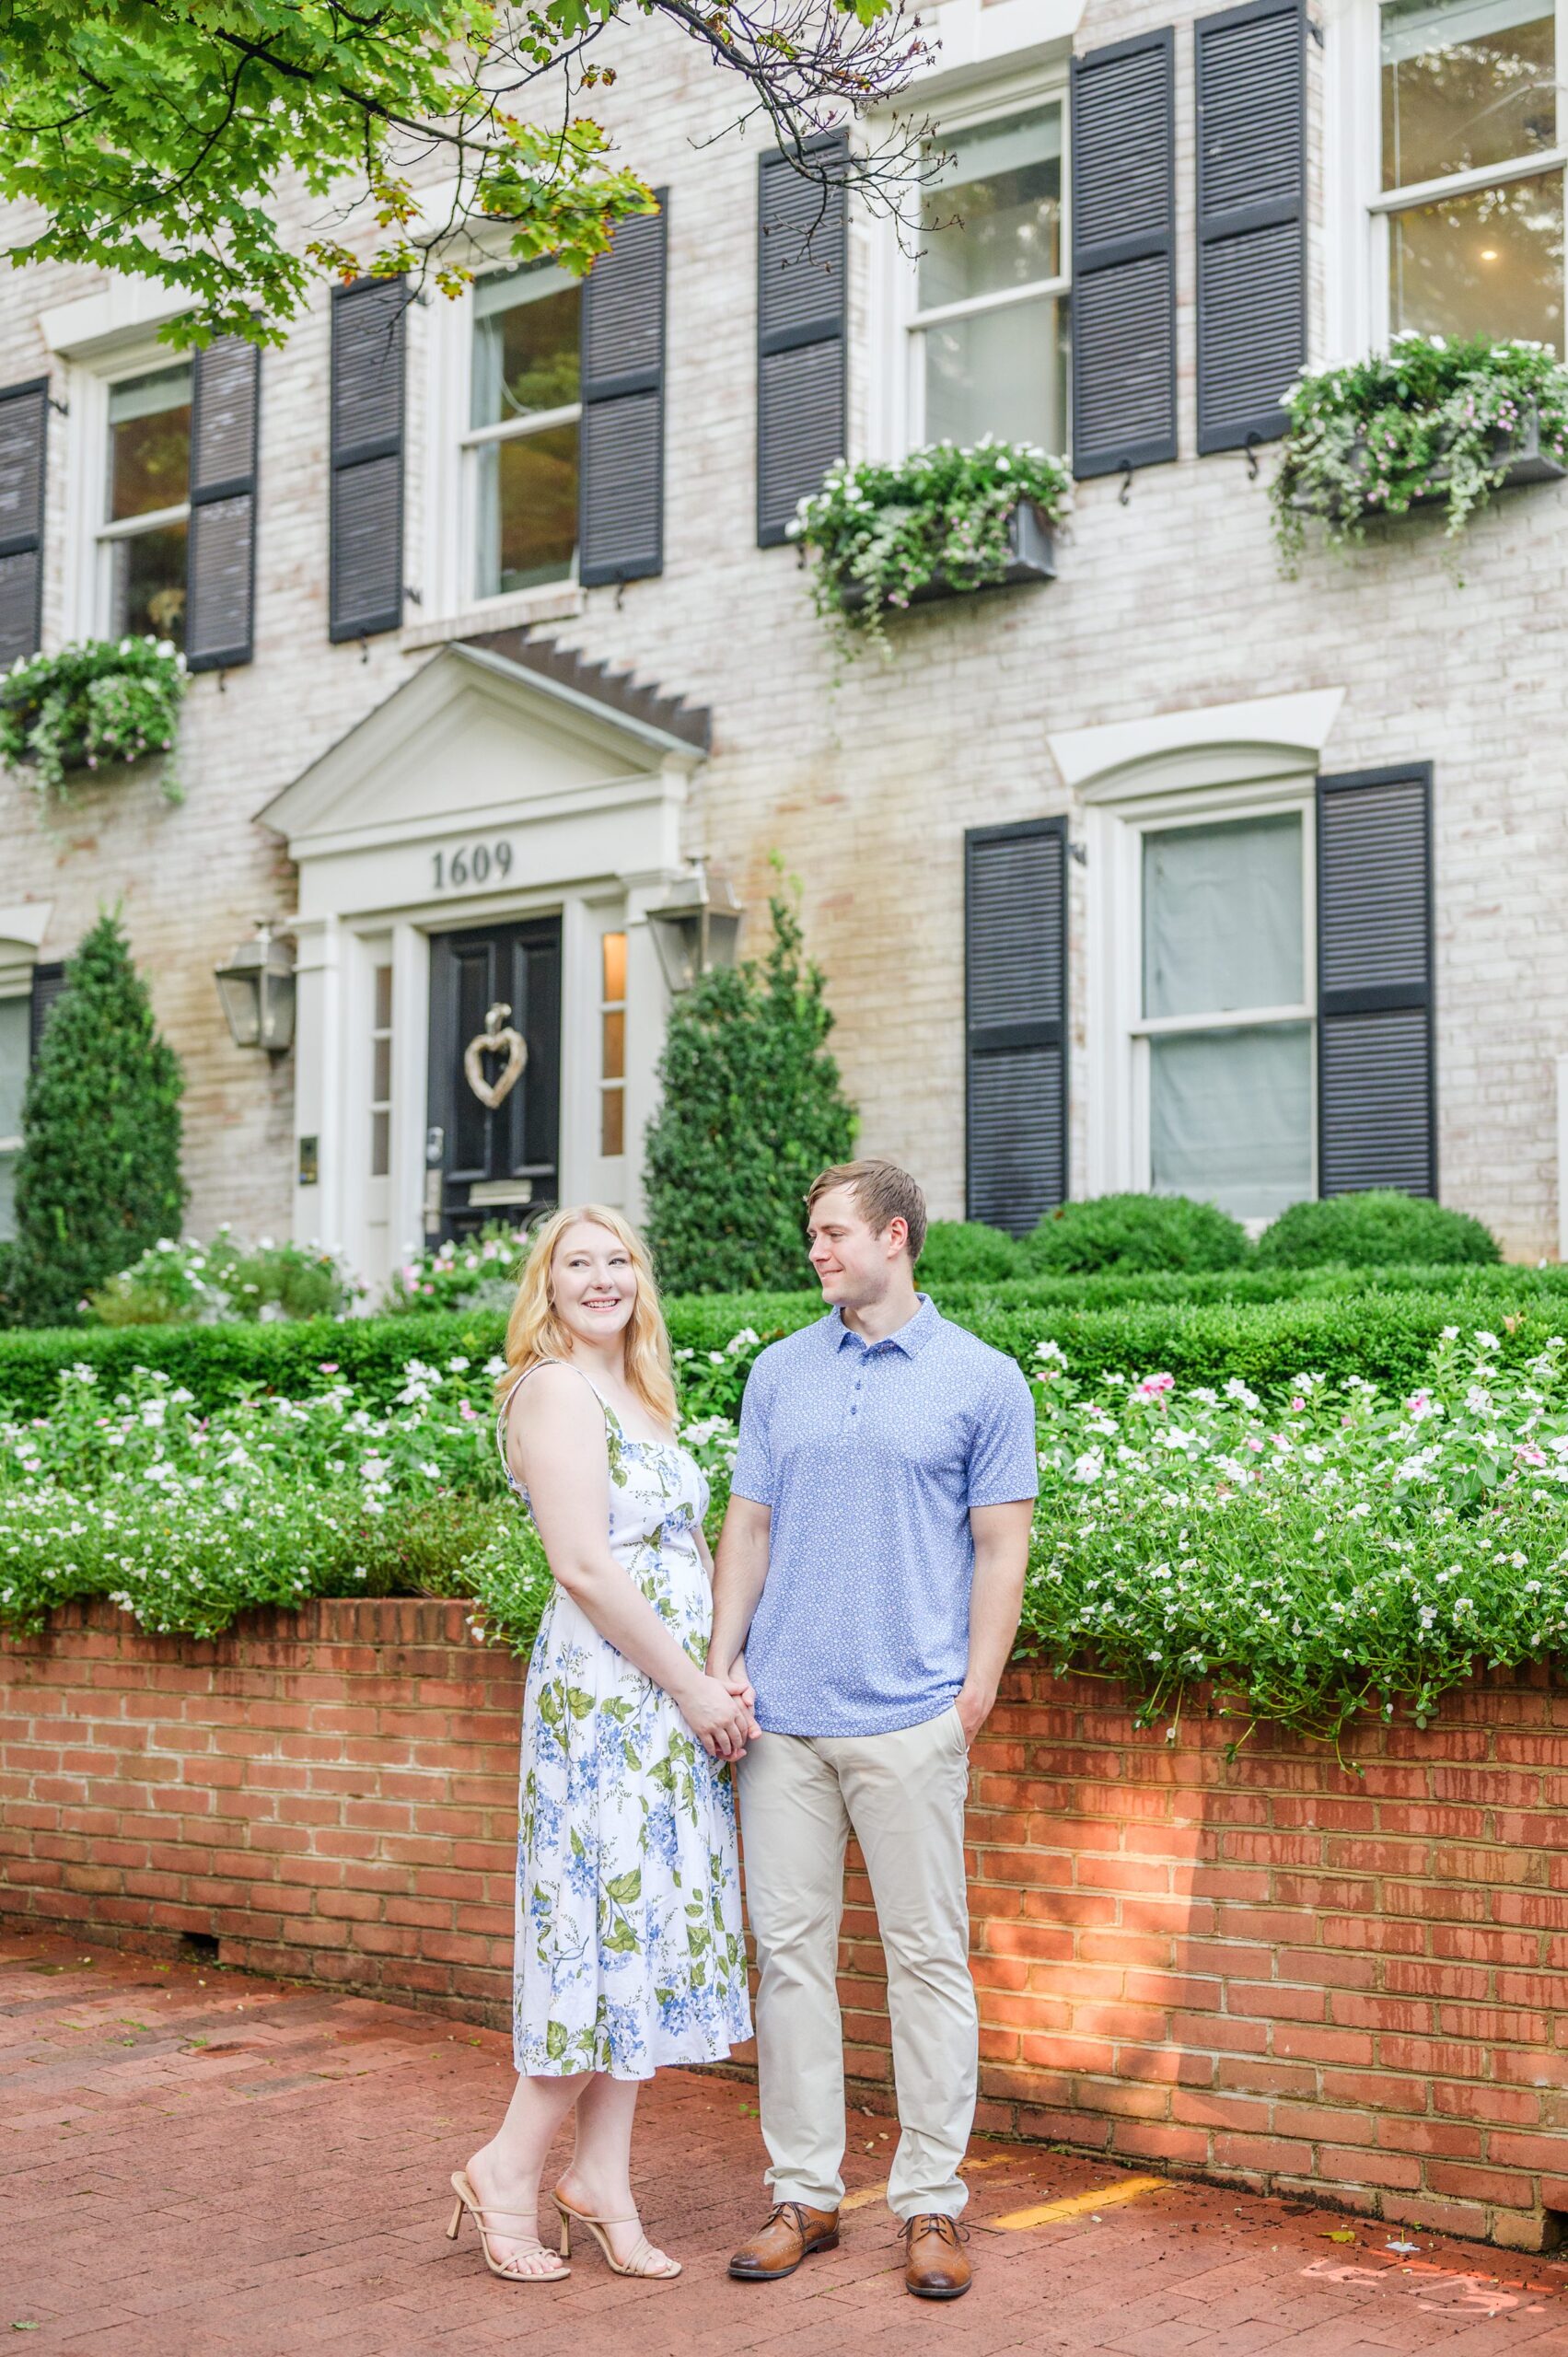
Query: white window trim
{"x": 1120, "y": 1032}
{"x": 89, "y": 537}
{"x": 450, "y": 489}
{"x": 1358, "y": 314}
{"x": 896, "y": 421}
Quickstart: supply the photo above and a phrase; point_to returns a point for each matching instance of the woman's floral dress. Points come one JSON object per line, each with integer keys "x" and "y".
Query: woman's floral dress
{"x": 629, "y": 1952}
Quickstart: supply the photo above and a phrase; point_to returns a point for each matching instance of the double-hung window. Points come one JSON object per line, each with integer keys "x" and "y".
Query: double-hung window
{"x": 988, "y": 339}
{"x": 524, "y": 411}
{"x": 1222, "y": 1042}
{"x": 1470, "y": 201}
{"x": 146, "y": 506}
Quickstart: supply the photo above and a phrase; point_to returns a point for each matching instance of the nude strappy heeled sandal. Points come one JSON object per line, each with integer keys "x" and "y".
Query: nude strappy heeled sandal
{"x": 468, "y": 2200}
{"x": 638, "y": 2264}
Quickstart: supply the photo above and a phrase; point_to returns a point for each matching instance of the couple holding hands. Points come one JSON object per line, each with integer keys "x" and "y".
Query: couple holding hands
{"x": 834, "y": 1666}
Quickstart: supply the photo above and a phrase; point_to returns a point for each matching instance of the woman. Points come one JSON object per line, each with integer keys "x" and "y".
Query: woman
{"x": 629, "y": 1950}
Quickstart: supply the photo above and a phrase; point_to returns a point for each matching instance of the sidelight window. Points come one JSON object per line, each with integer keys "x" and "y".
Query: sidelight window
{"x": 612, "y": 1047}
{"x": 15, "y": 1048}
{"x": 381, "y": 1071}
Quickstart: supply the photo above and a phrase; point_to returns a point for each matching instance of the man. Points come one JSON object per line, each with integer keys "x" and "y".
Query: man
{"x": 868, "y": 1589}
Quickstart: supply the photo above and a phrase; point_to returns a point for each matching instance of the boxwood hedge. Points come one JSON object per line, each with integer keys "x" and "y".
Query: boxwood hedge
{"x": 1263, "y": 1328}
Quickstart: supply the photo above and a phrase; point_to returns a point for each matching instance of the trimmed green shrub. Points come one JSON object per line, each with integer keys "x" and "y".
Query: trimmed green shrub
{"x": 1135, "y": 1232}
{"x": 751, "y": 1110}
{"x": 98, "y": 1177}
{"x": 965, "y": 1251}
{"x": 1376, "y": 1230}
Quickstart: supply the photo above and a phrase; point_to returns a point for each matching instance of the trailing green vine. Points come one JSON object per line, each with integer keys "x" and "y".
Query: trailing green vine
{"x": 1429, "y": 419}
{"x": 96, "y": 702}
{"x": 881, "y": 533}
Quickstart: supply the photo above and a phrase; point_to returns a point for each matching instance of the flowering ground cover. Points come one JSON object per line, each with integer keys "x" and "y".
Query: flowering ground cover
{"x": 1301, "y": 1554}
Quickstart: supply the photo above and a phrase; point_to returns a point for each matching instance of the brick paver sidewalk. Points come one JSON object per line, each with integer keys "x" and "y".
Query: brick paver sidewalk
{"x": 196, "y": 2163}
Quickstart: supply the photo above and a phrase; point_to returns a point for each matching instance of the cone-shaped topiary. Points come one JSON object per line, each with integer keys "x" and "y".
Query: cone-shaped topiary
{"x": 752, "y": 1110}
{"x": 98, "y": 1177}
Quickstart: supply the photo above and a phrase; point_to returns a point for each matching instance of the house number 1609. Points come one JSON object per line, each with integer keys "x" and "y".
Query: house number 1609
{"x": 471, "y": 863}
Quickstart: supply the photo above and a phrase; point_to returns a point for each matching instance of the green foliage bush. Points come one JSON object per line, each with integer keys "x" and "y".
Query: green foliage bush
{"x": 965, "y": 1251}
{"x": 751, "y": 1110}
{"x": 1135, "y": 1232}
{"x": 187, "y": 1285}
{"x": 1375, "y": 1230}
{"x": 97, "y": 701}
{"x": 98, "y": 1177}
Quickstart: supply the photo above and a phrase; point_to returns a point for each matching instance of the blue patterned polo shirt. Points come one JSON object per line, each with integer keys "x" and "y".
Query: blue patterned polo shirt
{"x": 870, "y": 1456}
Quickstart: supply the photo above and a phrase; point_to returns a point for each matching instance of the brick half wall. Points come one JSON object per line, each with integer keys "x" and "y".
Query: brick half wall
{"x": 1346, "y": 1983}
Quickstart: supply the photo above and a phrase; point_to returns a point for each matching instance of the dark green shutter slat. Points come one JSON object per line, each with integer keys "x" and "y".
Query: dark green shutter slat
{"x": 1250, "y": 73}
{"x": 802, "y": 262}
{"x": 220, "y": 558}
{"x": 48, "y": 981}
{"x": 620, "y": 476}
{"x": 366, "y": 564}
{"x": 1015, "y": 1009}
{"x": 1123, "y": 100}
{"x": 1377, "y": 1092}
{"x": 24, "y": 441}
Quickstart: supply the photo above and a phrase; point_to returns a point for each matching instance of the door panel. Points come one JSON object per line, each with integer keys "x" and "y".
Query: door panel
{"x": 500, "y": 1163}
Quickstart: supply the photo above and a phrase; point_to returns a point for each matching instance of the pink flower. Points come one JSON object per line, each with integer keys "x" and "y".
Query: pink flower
{"x": 1297, "y": 1405}
{"x": 1154, "y": 1385}
{"x": 1253, "y": 1442}
{"x": 328, "y": 1367}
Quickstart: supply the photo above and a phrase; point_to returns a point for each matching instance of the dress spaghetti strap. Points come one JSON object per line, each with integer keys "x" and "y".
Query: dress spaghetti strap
{"x": 506, "y": 1408}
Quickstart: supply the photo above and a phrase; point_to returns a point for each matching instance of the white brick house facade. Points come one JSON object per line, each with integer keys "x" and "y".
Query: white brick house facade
{"x": 1229, "y": 688}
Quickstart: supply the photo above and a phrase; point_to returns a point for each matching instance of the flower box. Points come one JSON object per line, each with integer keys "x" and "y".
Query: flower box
{"x": 1518, "y": 452}
{"x": 1031, "y": 556}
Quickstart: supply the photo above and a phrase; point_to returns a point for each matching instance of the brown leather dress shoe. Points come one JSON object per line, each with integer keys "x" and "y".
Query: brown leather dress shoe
{"x": 936, "y": 2266}
{"x": 789, "y": 2233}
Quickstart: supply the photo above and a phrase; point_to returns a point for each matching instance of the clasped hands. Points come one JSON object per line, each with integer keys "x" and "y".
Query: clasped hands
{"x": 720, "y": 1710}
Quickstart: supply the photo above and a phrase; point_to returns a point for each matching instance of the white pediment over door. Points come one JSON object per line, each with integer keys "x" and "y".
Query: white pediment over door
{"x": 474, "y": 744}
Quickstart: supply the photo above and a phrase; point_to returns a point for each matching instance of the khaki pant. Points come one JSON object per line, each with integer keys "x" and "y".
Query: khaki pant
{"x": 902, "y": 1796}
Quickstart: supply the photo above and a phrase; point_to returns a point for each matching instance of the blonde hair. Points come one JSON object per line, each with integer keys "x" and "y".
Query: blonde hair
{"x": 534, "y": 1331}
{"x": 882, "y": 1193}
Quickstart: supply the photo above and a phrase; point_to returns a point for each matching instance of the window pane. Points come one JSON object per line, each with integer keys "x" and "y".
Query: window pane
{"x": 1465, "y": 83}
{"x": 614, "y": 1045}
{"x": 525, "y": 344}
{"x": 383, "y": 1020}
{"x": 1230, "y": 1118}
{"x": 527, "y": 526}
{"x": 380, "y": 1145}
{"x": 14, "y": 1036}
{"x": 149, "y": 583}
{"x": 993, "y": 217}
{"x": 381, "y": 1071}
{"x": 1222, "y": 917}
{"x": 1487, "y": 264}
{"x": 614, "y": 968}
{"x": 1000, "y": 372}
{"x": 149, "y": 443}
{"x": 612, "y": 1122}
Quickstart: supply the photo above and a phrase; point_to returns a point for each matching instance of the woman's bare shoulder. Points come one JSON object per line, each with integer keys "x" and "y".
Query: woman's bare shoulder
{"x": 556, "y": 1394}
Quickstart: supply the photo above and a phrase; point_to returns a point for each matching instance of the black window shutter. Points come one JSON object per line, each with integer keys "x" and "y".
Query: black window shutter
{"x": 1015, "y": 960}
{"x": 1124, "y": 254}
{"x": 802, "y": 267}
{"x": 220, "y": 558}
{"x": 366, "y": 561}
{"x": 1252, "y": 220}
{"x": 24, "y": 437}
{"x": 1376, "y": 1097}
{"x": 621, "y": 478}
{"x": 48, "y": 981}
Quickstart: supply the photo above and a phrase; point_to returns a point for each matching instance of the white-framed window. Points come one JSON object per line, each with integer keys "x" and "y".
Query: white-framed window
{"x": 1221, "y": 1036}
{"x": 983, "y": 307}
{"x": 520, "y": 445}
{"x": 1466, "y": 175}
{"x": 141, "y": 534}
{"x": 16, "y": 1041}
{"x": 381, "y": 1068}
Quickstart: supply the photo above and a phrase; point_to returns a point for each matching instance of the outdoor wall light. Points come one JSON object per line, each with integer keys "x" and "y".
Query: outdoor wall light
{"x": 696, "y": 929}
{"x": 257, "y": 990}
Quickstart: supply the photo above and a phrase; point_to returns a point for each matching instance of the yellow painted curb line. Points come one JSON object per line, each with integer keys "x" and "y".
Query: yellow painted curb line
{"x": 1079, "y": 2205}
